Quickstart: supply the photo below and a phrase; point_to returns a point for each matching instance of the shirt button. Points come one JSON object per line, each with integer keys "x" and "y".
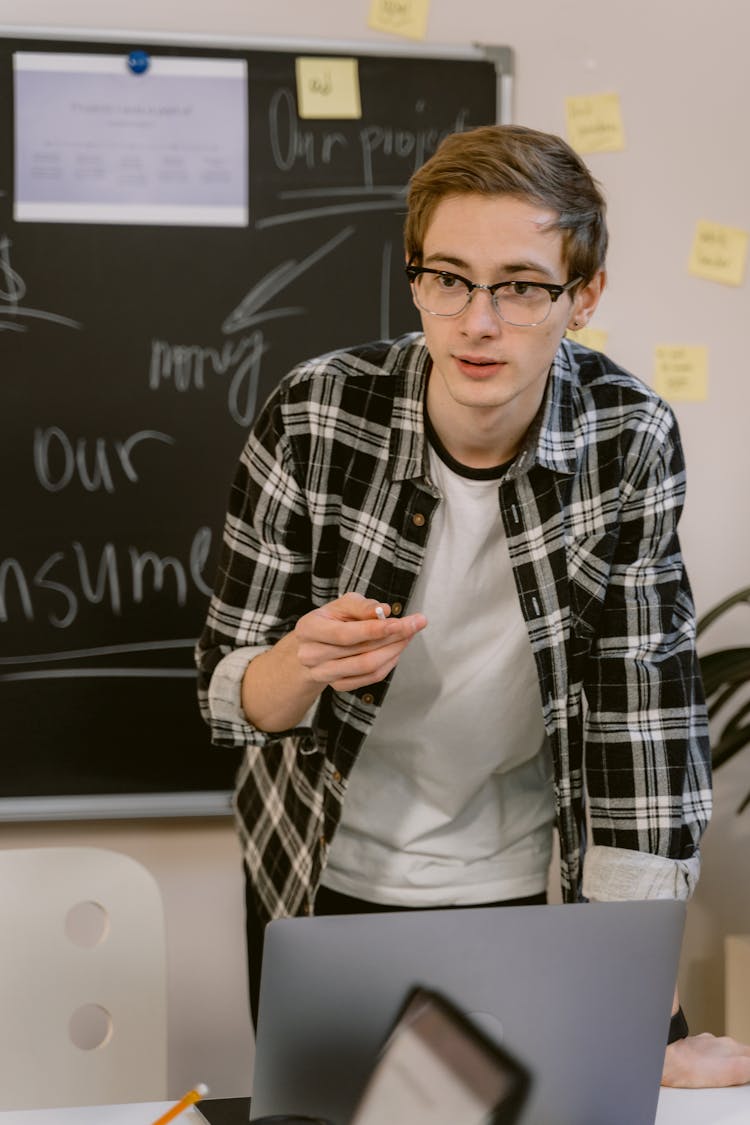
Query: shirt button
{"x": 308, "y": 909}
{"x": 396, "y": 609}
{"x": 323, "y": 841}
{"x": 418, "y": 519}
{"x": 336, "y": 775}
{"x": 368, "y": 698}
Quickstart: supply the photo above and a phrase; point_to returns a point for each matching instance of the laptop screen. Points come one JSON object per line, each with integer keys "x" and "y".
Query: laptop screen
{"x": 581, "y": 993}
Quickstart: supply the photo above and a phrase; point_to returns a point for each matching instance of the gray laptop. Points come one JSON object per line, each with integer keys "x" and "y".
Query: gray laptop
{"x": 581, "y": 994}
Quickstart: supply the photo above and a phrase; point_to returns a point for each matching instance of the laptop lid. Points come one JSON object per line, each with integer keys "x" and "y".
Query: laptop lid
{"x": 580, "y": 993}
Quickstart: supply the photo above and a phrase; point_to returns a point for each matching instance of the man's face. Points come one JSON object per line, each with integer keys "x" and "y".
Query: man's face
{"x": 480, "y": 363}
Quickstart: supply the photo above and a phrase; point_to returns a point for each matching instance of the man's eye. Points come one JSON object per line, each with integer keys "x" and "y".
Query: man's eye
{"x": 523, "y": 289}
{"x": 447, "y": 281}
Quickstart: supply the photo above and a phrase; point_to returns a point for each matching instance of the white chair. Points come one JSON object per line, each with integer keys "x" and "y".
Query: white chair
{"x": 82, "y": 979}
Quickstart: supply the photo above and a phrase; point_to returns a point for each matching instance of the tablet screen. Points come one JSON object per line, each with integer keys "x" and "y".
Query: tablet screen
{"x": 438, "y": 1068}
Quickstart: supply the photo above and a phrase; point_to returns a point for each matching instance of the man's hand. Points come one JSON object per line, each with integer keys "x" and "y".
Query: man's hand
{"x": 345, "y": 645}
{"x": 706, "y": 1060}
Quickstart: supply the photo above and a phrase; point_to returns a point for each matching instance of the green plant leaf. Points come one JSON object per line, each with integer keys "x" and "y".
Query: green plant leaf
{"x": 736, "y": 722}
{"x": 725, "y": 672}
{"x": 723, "y": 667}
{"x": 726, "y": 748}
{"x": 722, "y": 607}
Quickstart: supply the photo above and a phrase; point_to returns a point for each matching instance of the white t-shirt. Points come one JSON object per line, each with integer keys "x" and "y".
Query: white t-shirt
{"x": 450, "y": 800}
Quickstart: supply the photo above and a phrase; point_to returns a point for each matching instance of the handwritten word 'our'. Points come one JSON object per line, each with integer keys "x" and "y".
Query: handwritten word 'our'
{"x": 58, "y": 459}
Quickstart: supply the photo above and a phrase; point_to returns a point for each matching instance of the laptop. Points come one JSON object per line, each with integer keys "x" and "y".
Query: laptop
{"x": 581, "y": 994}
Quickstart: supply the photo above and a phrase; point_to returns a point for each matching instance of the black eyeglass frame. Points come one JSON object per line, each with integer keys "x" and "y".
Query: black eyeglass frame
{"x": 555, "y": 291}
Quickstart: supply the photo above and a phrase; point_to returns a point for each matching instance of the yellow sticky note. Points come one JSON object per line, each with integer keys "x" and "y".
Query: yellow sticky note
{"x": 719, "y": 253}
{"x": 681, "y": 372}
{"x": 594, "y": 123}
{"x": 328, "y": 87}
{"x": 400, "y": 17}
{"x": 594, "y": 338}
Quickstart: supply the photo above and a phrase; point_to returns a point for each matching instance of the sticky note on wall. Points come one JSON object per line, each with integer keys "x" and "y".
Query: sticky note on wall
{"x": 594, "y": 338}
{"x": 719, "y": 253}
{"x": 681, "y": 372}
{"x": 400, "y": 17}
{"x": 594, "y": 123}
{"x": 327, "y": 88}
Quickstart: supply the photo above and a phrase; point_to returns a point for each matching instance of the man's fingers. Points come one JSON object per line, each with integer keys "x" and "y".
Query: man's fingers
{"x": 353, "y": 683}
{"x": 351, "y": 607}
{"x": 706, "y": 1060}
{"x": 365, "y": 667}
{"x": 349, "y": 634}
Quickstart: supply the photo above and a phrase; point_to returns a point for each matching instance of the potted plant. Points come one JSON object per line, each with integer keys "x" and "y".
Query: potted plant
{"x": 726, "y": 672}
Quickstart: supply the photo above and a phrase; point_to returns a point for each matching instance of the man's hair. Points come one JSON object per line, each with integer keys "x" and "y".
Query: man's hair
{"x": 520, "y": 162}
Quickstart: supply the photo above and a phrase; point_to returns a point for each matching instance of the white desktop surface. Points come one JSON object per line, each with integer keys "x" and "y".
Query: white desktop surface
{"x": 703, "y": 1107}
{"x": 135, "y": 1113}
{"x": 676, "y": 1107}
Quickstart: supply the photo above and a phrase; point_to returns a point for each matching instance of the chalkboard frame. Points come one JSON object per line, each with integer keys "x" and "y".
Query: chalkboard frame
{"x": 214, "y": 802}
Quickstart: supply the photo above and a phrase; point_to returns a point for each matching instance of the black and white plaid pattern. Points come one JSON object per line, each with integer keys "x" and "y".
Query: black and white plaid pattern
{"x": 332, "y": 494}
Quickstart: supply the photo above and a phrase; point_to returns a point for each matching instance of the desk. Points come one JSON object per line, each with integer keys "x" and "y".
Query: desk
{"x": 676, "y": 1107}
{"x": 703, "y": 1107}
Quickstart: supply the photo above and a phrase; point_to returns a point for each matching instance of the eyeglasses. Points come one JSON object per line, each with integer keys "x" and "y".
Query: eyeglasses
{"x": 524, "y": 304}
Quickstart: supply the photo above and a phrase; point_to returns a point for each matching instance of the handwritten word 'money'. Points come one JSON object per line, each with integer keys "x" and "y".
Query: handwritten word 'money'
{"x": 58, "y": 459}
{"x": 186, "y": 366}
{"x": 66, "y": 578}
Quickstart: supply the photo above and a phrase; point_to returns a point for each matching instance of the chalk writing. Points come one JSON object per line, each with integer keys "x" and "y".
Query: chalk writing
{"x": 58, "y": 458}
{"x": 36, "y": 665}
{"x": 68, "y": 577}
{"x": 250, "y": 310}
{"x": 187, "y": 365}
{"x": 292, "y": 144}
{"x": 13, "y": 291}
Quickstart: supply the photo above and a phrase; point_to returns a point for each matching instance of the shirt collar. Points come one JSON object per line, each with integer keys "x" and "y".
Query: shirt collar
{"x": 408, "y": 443}
{"x": 549, "y": 440}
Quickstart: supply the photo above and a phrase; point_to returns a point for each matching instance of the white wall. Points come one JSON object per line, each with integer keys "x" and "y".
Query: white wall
{"x": 680, "y": 67}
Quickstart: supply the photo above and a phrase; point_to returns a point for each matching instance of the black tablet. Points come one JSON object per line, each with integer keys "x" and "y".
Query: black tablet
{"x": 437, "y": 1068}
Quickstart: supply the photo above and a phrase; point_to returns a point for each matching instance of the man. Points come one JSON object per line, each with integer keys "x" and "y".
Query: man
{"x": 451, "y": 593}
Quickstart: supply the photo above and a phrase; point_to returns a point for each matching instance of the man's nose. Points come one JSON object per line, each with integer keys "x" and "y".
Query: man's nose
{"x": 480, "y": 314}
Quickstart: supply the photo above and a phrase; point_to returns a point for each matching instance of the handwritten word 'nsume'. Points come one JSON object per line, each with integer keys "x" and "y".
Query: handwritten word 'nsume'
{"x": 131, "y": 575}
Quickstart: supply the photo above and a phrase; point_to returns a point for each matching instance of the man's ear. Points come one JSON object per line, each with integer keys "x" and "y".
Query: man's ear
{"x": 585, "y": 300}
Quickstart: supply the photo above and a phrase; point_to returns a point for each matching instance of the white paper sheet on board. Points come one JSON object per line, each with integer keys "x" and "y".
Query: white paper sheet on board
{"x": 96, "y": 143}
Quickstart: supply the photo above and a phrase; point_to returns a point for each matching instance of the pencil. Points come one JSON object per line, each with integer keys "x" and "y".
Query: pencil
{"x": 184, "y": 1103}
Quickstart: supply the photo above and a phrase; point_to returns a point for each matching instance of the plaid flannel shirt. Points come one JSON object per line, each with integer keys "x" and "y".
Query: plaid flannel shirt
{"x": 332, "y": 493}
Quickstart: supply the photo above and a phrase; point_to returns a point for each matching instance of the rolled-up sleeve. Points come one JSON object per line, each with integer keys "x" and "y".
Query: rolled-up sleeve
{"x": 617, "y": 875}
{"x": 262, "y": 586}
{"x": 647, "y": 755}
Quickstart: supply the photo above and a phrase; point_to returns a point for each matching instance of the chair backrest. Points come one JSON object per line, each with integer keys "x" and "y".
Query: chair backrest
{"x": 82, "y": 979}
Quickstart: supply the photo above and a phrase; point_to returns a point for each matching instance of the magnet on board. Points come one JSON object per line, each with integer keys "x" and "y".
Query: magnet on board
{"x": 138, "y": 62}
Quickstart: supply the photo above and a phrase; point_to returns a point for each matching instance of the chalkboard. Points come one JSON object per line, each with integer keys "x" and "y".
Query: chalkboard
{"x": 134, "y": 358}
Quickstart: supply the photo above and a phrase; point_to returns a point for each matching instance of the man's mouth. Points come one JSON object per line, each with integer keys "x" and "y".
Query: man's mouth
{"x": 477, "y": 363}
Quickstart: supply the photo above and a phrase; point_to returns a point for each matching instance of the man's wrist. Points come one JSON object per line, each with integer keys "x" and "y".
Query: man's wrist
{"x": 678, "y": 1027}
